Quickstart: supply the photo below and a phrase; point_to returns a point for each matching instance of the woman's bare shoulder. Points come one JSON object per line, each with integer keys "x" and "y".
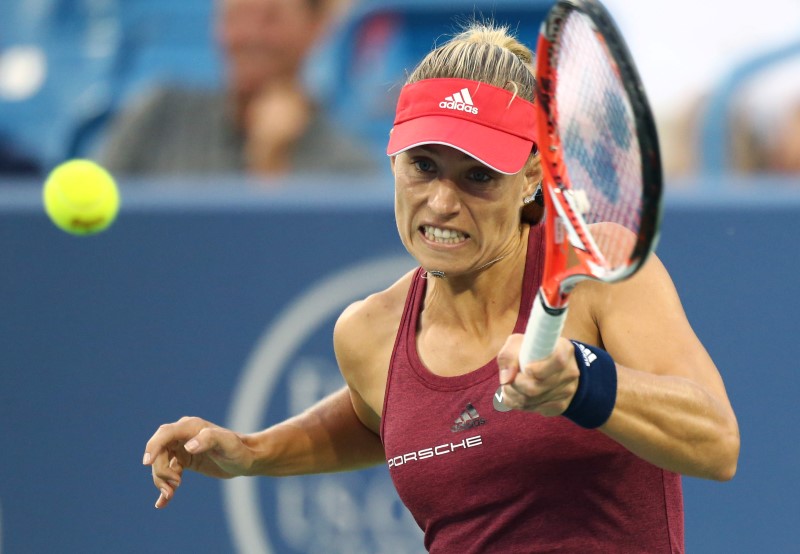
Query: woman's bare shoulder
{"x": 371, "y": 324}
{"x": 364, "y": 339}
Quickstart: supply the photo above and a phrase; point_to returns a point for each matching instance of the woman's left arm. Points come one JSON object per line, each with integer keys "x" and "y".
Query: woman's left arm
{"x": 671, "y": 407}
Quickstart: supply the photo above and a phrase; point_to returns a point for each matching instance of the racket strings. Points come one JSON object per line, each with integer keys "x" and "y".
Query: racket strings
{"x": 599, "y": 139}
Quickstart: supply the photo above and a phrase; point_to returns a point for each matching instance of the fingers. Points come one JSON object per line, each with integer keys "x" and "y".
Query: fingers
{"x": 508, "y": 359}
{"x": 207, "y": 439}
{"x": 166, "y": 454}
{"x": 167, "y": 476}
{"x": 545, "y": 386}
{"x": 196, "y": 444}
{"x": 219, "y": 452}
{"x": 164, "y": 498}
{"x": 168, "y": 486}
{"x": 562, "y": 359}
{"x": 171, "y": 434}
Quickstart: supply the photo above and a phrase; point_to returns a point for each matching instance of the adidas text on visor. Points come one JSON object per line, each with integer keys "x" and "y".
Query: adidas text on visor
{"x": 488, "y": 123}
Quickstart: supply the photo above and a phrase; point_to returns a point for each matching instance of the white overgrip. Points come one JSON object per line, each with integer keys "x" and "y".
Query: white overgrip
{"x": 542, "y": 332}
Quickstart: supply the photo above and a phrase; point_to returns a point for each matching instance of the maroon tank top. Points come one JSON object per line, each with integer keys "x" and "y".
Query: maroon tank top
{"x": 478, "y": 480}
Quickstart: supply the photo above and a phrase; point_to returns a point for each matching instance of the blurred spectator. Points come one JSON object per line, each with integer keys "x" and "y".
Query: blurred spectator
{"x": 679, "y": 139}
{"x": 263, "y": 123}
{"x": 783, "y": 154}
{"x": 762, "y": 125}
{"x": 767, "y": 111}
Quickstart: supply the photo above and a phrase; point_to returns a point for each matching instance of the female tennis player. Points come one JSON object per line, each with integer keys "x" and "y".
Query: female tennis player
{"x": 599, "y": 473}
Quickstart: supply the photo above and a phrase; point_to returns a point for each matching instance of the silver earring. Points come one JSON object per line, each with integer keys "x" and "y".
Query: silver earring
{"x": 532, "y": 198}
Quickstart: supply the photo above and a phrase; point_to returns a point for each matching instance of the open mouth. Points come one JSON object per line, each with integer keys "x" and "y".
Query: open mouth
{"x": 442, "y": 236}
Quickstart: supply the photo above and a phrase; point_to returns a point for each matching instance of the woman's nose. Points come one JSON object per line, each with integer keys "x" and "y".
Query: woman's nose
{"x": 444, "y": 199}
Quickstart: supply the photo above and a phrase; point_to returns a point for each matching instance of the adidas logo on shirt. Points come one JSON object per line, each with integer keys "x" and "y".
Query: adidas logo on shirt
{"x": 460, "y": 101}
{"x": 468, "y": 419}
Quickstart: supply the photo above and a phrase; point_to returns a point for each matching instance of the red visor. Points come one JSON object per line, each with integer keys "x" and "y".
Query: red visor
{"x": 490, "y": 124}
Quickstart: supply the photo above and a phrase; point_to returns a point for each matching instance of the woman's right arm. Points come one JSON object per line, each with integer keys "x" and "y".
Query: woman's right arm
{"x": 339, "y": 433}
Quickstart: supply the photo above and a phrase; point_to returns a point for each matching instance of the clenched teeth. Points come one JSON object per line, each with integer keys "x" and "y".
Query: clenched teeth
{"x": 443, "y": 236}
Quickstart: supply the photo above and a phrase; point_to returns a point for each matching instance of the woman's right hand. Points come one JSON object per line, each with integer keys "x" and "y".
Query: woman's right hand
{"x": 195, "y": 444}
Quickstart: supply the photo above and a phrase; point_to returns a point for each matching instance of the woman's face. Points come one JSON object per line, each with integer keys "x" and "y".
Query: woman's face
{"x": 453, "y": 213}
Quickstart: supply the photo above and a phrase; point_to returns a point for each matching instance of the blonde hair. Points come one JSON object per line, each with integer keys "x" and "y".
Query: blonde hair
{"x": 488, "y": 53}
{"x": 482, "y": 52}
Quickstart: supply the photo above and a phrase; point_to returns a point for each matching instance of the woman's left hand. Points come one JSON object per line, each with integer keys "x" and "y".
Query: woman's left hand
{"x": 544, "y": 386}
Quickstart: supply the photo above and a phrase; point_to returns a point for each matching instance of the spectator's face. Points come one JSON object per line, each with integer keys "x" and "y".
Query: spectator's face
{"x": 264, "y": 40}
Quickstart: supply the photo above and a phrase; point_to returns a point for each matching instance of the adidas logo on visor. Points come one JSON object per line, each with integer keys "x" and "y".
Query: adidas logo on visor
{"x": 460, "y": 101}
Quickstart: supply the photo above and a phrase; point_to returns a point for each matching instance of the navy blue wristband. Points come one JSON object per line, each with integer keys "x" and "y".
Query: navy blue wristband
{"x": 597, "y": 387}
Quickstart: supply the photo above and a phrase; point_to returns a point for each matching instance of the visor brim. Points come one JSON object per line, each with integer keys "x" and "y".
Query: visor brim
{"x": 498, "y": 150}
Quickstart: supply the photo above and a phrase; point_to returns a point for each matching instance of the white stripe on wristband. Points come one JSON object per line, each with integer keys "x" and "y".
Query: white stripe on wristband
{"x": 597, "y": 387}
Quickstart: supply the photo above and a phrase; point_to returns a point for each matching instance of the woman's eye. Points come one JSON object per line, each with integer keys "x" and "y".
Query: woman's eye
{"x": 480, "y": 176}
{"x": 423, "y": 165}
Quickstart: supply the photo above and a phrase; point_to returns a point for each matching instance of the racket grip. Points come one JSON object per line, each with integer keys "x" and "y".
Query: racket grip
{"x": 541, "y": 334}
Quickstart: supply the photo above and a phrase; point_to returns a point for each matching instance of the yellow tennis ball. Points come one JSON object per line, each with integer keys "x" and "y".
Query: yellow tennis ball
{"x": 81, "y": 197}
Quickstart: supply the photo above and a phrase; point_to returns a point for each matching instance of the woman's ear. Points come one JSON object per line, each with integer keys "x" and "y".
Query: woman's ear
{"x": 392, "y": 159}
{"x": 532, "y": 209}
{"x": 533, "y": 174}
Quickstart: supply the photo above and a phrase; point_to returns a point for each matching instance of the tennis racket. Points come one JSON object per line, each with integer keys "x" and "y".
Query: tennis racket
{"x": 602, "y": 168}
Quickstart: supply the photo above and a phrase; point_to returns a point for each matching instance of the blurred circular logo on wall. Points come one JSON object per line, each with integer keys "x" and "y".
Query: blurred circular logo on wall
{"x": 291, "y": 367}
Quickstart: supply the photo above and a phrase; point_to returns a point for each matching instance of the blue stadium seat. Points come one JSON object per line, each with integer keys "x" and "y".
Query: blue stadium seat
{"x": 98, "y": 54}
{"x": 167, "y": 41}
{"x": 358, "y": 71}
{"x": 160, "y": 42}
{"x": 76, "y": 40}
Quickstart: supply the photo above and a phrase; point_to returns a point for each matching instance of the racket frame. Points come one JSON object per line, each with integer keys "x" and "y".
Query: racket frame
{"x": 564, "y": 224}
{"x": 557, "y": 188}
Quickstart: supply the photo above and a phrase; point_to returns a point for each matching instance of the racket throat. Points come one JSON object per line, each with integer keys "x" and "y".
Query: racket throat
{"x": 551, "y": 307}
{"x": 555, "y": 296}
